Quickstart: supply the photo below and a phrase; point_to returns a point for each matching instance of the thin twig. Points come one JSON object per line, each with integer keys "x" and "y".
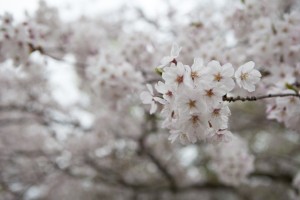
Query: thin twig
{"x": 255, "y": 98}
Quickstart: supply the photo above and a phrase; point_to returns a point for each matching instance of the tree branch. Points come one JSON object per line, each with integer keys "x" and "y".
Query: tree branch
{"x": 255, "y": 98}
{"x": 43, "y": 115}
{"x": 160, "y": 166}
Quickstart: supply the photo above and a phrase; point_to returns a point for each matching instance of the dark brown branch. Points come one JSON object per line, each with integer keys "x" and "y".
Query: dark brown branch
{"x": 118, "y": 180}
{"x": 160, "y": 166}
{"x": 255, "y": 98}
{"x": 163, "y": 170}
{"x": 284, "y": 178}
{"x": 75, "y": 63}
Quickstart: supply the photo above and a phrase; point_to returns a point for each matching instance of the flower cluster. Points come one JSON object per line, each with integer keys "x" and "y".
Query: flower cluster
{"x": 284, "y": 80}
{"x": 272, "y": 40}
{"x": 192, "y": 96}
{"x": 18, "y": 41}
{"x": 233, "y": 165}
{"x": 115, "y": 83}
{"x": 285, "y": 110}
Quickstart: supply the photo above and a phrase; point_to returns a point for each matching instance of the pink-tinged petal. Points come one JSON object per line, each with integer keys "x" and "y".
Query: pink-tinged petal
{"x": 255, "y": 79}
{"x": 256, "y": 73}
{"x": 146, "y": 97}
{"x": 239, "y": 82}
{"x": 187, "y": 80}
{"x": 198, "y": 62}
{"x": 248, "y": 86}
{"x": 150, "y": 89}
{"x": 160, "y": 87}
{"x": 181, "y": 68}
{"x": 247, "y": 67}
{"x": 229, "y": 84}
{"x": 238, "y": 72}
{"x": 213, "y": 63}
{"x": 160, "y": 100}
{"x": 153, "y": 107}
{"x": 166, "y": 60}
{"x": 227, "y": 70}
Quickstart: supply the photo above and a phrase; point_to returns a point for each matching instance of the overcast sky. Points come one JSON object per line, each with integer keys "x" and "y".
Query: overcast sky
{"x": 74, "y": 8}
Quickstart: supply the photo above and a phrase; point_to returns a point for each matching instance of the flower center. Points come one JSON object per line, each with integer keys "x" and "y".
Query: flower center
{"x": 169, "y": 93}
{"x": 194, "y": 75}
{"x": 192, "y": 103}
{"x": 216, "y": 112}
{"x": 209, "y": 93}
{"x": 244, "y": 76}
{"x": 195, "y": 119}
{"x": 179, "y": 79}
{"x": 218, "y": 77}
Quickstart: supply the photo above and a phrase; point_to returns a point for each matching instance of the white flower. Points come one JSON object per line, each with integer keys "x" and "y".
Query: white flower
{"x": 172, "y": 58}
{"x": 289, "y": 103}
{"x": 232, "y": 161}
{"x": 182, "y": 136}
{"x": 147, "y": 97}
{"x": 221, "y": 75}
{"x": 190, "y": 100}
{"x": 166, "y": 90}
{"x": 194, "y": 125}
{"x": 219, "y": 116}
{"x": 177, "y": 75}
{"x": 276, "y": 112}
{"x": 281, "y": 74}
{"x": 197, "y": 71}
{"x": 221, "y": 136}
{"x": 246, "y": 76}
{"x": 170, "y": 115}
{"x": 212, "y": 94}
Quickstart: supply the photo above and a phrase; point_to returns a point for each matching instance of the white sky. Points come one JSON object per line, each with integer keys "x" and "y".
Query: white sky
{"x": 71, "y": 8}
{"x": 74, "y": 8}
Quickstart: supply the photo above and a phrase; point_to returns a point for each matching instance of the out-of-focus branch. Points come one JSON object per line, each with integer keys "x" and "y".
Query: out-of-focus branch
{"x": 147, "y": 19}
{"x": 147, "y": 151}
{"x": 277, "y": 177}
{"x": 111, "y": 177}
{"x": 5, "y": 188}
{"x": 43, "y": 115}
{"x": 48, "y": 54}
{"x": 116, "y": 179}
{"x": 162, "y": 168}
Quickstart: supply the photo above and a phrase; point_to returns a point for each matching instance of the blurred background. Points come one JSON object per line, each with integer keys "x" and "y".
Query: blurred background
{"x": 71, "y": 122}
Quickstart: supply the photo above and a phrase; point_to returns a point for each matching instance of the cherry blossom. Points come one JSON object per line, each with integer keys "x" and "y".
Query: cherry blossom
{"x": 246, "y": 76}
{"x": 221, "y": 75}
{"x": 148, "y": 98}
{"x": 192, "y": 99}
{"x": 173, "y": 55}
{"x": 176, "y": 74}
{"x": 234, "y": 164}
{"x": 197, "y": 134}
